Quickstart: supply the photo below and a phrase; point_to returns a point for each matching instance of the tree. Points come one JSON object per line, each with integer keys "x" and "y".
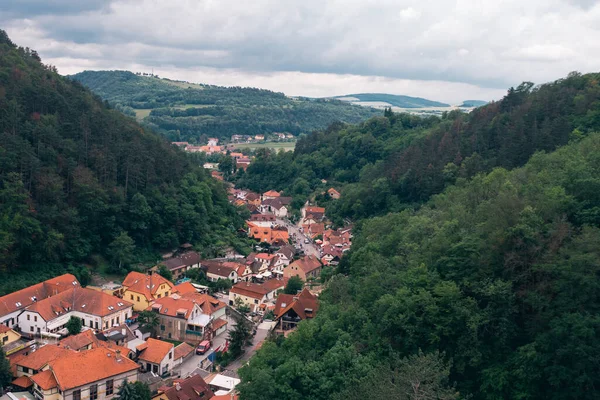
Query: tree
{"x": 74, "y": 325}
{"x": 121, "y": 251}
{"x": 239, "y": 337}
{"x": 5, "y": 374}
{"x": 165, "y": 272}
{"x": 148, "y": 320}
{"x": 241, "y": 306}
{"x": 294, "y": 285}
{"x": 134, "y": 391}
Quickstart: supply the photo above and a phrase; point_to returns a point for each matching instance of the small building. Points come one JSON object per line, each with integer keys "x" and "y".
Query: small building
{"x": 291, "y": 309}
{"x": 334, "y": 194}
{"x": 255, "y": 294}
{"x": 216, "y": 270}
{"x": 275, "y": 207}
{"x": 308, "y": 267}
{"x": 156, "y": 356}
{"x": 183, "y": 263}
{"x": 192, "y": 388}
{"x": 259, "y": 137}
{"x": 8, "y": 336}
{"x": 213, "y": 141}
{"x": 271, "y": 194}
{"x": 142, "y": 289}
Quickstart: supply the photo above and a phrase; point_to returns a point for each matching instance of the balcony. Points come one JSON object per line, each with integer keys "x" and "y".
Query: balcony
{"x": 190, "y": 332}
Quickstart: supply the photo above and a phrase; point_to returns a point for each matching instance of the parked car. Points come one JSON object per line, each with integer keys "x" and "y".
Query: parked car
{"x": 306, "y": 241}
{"x": 203, "y": 347}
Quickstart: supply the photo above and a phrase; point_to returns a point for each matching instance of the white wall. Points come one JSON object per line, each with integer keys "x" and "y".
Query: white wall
{"x": 60, "y": 321}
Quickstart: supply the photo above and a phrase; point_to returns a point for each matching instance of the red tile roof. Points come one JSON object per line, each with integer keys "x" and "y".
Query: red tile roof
{"x": 25, "y": 297}
{"x": 257, "y": 290}
{"x": 144, "y": 284}
{"x": 42, "y": 356}
{"x": 156, "y": 351}
{"x": 271, "y": 193}
{"x": 45, "y": 380}
{"x": 300, "y": 303}
{"x": 88, "y": 366}
{"x": 22, "y": 381}
{"x": 192, "y": 388}
{"x": 79, "y": 299}
{"x": 182, "y": 350}
{"x": 185, "y": 287}
{"x": 307, "y": 263}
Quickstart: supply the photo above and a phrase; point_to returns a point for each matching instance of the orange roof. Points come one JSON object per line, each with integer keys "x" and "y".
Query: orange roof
{"x": 79, "y": 299}
{"x": 144, "y": 284}
{"x": 25, "y": 297}
{"x": 218, "y": 323}
{"x": 4, "y": 328}
{"x": 257, "y": 290}
{"x": 307, "y": 263}
{"x": 156, "y": 351}
{"x": 207, "y": 304}
{"x": 226, "y": 397}
{"x": 45, "y": 380}
{"x": 271, "y": 193}
{"x": 300, "y": 303}
{"x": 173, "y": 307}
{"x": 42, "y": 356}
{"x": 314, "y": 210}
{"x": 22, "y": 381}
{"x": 192, "y": 388}
{"x": 182, "y": 350}
{"x": 185, "y": 287}
{"x": 80, "y": 340}
{"x": 81, "y": 368}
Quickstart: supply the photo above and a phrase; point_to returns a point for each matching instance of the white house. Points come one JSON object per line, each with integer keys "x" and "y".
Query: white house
{"x": 97, "y": 310}
{"x": 255, "y": 294}
{"x": 156, "y": 356}
{"x": 216, "y": 270}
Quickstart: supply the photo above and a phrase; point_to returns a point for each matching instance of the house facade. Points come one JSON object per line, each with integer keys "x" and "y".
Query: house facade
{"x": 141, "y": 289}
{"x": 96, "y": 310}
{"x": 255, "y": 294}
{"x": 183, "y": 263}
{"x": 307, "y": 268}
{"x": 156, "y": 356}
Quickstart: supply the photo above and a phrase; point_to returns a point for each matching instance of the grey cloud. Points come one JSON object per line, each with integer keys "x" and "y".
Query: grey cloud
{"x": 32, "y": 8}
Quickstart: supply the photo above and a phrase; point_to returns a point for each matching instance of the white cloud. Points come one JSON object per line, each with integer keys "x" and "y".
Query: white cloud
{"x": 479, "y": 44}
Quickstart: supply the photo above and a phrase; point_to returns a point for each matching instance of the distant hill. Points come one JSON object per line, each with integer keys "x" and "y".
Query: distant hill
{"x": 184, "y": 111}
{"x": 390, "y": 99}
{"x": 473, "y": 103}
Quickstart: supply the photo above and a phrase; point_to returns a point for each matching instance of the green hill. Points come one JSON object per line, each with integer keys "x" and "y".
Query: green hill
{"x": 473, "y": 103}
{"x": 80, "y": 182}
{"x": 192, "y": 112}
{"x": 391, "y": 99}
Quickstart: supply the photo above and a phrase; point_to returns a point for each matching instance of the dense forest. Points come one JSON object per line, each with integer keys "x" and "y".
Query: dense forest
{"x": 397, "y": 161}
{"x": 191, "y": 112}
{"x": 475, "y": 269}
{"x": 80, "y": 182}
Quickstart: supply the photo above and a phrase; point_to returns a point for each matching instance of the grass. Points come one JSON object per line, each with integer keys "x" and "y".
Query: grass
{"x": 142, "y": 113}
{"x": 284, "y": 146}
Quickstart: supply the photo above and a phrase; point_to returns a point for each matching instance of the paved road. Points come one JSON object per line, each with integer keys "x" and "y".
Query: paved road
{"x": 262, "y": 331}
{"x": 309, "y": 248}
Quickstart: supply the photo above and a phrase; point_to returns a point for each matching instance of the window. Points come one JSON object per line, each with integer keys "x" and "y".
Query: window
{"x": 117, "y": 320}
{"x": 170, "y": 356}
{"x": 77, "y": 394}
{"x": 28, "y": 317}
{"x": 162, "y": 327}
{"x": 35, "y": 318}
{"x": 94, "y": 392}
{"x": 169, "y": 336}
{"x": 255, "y": 301}
{"x": 132, "y": 297}
{"x": 109, "y": 387}
{"x": 5, "y": 339}
{"x": 167, "y": 293}
{"x": 158, "y": 296}
{"x": 138, "y": 298}
{"x": 96, "y": 324}
{"x": 112, "y": 322}
{"x": 31, "y": 328}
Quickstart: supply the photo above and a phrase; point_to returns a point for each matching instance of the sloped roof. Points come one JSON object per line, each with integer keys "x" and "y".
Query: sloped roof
{"x": 156, "y": 351}
{"x": 23, "y": 381}
{"x": 45, "y": 380}
{"x": 185, "y": 287}
{"x": 182, "y": 350}
{"x": 287, "y": 250}
{"x": 79, "y": 299}
{"x": 96, "y": 364}
{"x": 300, "y": 303}
{"x": 271, "y": 193}
{"x": 217, "y": 268}
{"x": 25, "y": 297}
{"x": 144, "y": 284}
{"x": 275, "y": 203}
{"x": 173, "y": 307}
{"x": 42, "y": 356}
{"x": 314, "y": 210}
{"x": 207, "y": 303}
{"x": 87, "y": 338}
{"x": 257, "y": 290}
{"x": 307, "y": 263}
{"x": 192, "y": 388}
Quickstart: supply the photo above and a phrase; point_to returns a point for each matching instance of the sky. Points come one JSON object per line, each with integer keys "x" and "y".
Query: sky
{"x": 442, "y": 50}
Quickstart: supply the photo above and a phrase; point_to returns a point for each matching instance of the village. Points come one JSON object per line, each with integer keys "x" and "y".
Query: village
{"x": 175, "y": 335}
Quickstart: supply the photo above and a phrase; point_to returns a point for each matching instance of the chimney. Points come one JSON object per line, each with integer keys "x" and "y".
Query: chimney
{"x": 177, "y": 386}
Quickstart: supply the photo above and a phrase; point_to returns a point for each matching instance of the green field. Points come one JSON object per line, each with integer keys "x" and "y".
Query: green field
{"x": 142, "y": 113}
{"x": 284, "y": 146}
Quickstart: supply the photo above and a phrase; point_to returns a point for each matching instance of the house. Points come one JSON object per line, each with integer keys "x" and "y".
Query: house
{"x": 243, "y": 162}
{"x": 96, "y": 310}
{"x": 8, "y": 336}
{"x": 334, "y": 194}
{"x": 255, "y": 294}
{"x": 237, "y": 138}
{"x": 87, "y": 340}
{"x": 236, "y": 155}
{"x": 209, "y": 165}
{"x": 12, "y": 304}
{"x": 308, "y": 267}
{"x": 285, "y": 255}
{"x": 183, "y": 263}
{"x": 215, "y": 270}
{"x": 312, "y": 214}
{"x": 156, "y": 356}
{"x": 291, "y": 309}
{"x": 185, "y": 287}
{"x": 222, "y": 383}
{"x": 90, "y": 374}
{"x": 190, "y": 317}
{"x": 262, "y": 220}
{"x": 142, "y": 289}
{"x": 253, "y": 198}
{"x": 280, "y": 135}
{"x": 313, "y": 230}
{"x": 192, "y": 388}
{"x": 271, "y": 194}
{"x": 119, "y": 335}
{"x": 182, "y": 352}
{"x": 277, "y": 233}
{"x": 39, "y": 359}
{"x": 259, "y": 137}
{"x": 275, "y": 207}
{"x": 213, "y": 141}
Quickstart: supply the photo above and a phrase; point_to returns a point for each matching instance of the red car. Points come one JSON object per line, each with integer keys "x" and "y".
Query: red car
{"x": 203, "y": 347}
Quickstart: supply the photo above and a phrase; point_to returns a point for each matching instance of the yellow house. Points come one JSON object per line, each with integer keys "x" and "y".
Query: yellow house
{"x": 141, "y": 289}
{"x": 8, "y": 336}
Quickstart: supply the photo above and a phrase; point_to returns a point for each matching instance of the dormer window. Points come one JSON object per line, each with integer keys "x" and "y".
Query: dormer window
{"x": 18, "y": 304}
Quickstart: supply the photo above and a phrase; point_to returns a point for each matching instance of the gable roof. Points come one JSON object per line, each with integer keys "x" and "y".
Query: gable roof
{"x": 300, "y": 304}
{"x": 42, "y": 356}
{"x": 271, "y": 193}
{"x": 25, "y": 297}
{"x": 217, "y": 268}
{"x": 87, "y": 338}
{"x": 185, "y": 287}
{"x": 285, "y": 200}
{"x": 275, "y": 203}
{"x": 155, "y": 351}
{"x": 144, "y": 284}
{"x": 192, "y": 388}
{"x": 287, "y": 251}
{"x": 173, "y": 307}
{"x": 314, "y": 210}
{"x": 208, "y": 304}
{"x": 79, "y": 299}
{"x": 45, "y": 380}
{"x": 182, "y": 350}
{"x": 97, "y": 364}
{"x": 257, "y": 290}
{"x": 307, "y": 263}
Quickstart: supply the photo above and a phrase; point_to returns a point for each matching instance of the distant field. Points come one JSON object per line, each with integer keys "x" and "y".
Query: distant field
{"x": 186, "y": 106}
{"x": 285, "y": 146}
{"x": 142, "y": 113}
{"x": 183, "y": 85}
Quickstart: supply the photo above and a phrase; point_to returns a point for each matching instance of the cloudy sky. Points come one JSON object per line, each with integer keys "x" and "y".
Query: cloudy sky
{"x": 438, "y": 49}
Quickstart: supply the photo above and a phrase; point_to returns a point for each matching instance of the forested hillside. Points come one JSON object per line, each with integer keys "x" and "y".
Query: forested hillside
{"x": 393, "y": 162}
{"x": 79, "y": 180}
{"x": 490, "y": 290}
{"x": 191, "y": 112}
{"x": 392, "y": 100}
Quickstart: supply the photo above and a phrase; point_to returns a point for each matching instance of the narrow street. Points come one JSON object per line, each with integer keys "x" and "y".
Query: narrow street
{"x": 310, "y": 249}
